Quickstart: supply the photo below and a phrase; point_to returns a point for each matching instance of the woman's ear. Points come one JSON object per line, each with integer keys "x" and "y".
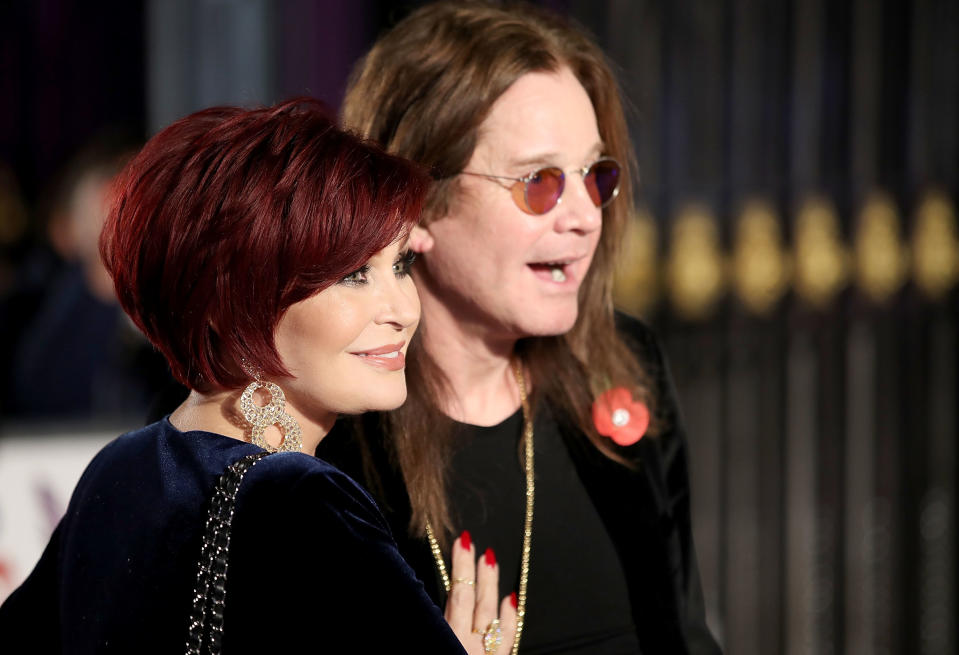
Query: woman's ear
{"x": 421, "y": 240}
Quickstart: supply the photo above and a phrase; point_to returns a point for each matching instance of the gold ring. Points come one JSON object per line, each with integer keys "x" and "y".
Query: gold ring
{"x": 492, "y": 636}
{"x": 464, "y": 581}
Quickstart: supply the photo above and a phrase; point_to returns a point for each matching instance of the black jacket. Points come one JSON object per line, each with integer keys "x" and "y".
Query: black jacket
{"x": 652, "y": 533}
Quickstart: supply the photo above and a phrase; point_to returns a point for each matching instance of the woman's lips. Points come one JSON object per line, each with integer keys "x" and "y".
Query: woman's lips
{"x": 389, "y": 357}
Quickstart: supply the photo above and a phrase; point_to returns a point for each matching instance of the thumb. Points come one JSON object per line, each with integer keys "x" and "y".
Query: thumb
{"x": 507, "y": 622}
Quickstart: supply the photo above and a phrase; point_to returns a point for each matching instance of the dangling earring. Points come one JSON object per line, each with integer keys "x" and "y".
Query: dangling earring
{"x": 273, "y": 413}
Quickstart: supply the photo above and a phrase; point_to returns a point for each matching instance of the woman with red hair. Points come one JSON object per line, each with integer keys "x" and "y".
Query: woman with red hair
{"x": 263, "y": 253}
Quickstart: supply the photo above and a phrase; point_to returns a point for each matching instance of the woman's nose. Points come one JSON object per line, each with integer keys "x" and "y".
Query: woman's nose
{"x": 401, "y": 304}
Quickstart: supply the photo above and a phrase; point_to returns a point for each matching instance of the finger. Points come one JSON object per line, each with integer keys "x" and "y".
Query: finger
{"x": 487, "y": 590}
{"x": 462, "y": 596}
{"x": 507, "y": 622}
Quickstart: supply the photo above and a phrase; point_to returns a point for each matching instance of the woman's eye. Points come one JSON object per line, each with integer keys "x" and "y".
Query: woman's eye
{"x": 359, "y": 276}
{"x": 404, "y": 264}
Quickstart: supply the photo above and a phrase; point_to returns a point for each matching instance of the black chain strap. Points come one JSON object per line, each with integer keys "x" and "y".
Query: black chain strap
{"x": 209, "y": 595}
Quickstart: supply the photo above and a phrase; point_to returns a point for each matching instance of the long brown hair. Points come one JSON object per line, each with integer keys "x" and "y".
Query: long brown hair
{"x": 423, "y": 92}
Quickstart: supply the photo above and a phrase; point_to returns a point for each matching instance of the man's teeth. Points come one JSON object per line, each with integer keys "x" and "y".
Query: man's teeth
{"x": 556, "y": 269}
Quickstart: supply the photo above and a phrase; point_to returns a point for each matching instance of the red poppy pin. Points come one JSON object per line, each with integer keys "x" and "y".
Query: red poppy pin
{"x": 617, "y": 416}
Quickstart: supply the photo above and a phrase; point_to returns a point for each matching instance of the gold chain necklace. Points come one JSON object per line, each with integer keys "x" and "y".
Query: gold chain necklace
{"x": 527, "y": 524}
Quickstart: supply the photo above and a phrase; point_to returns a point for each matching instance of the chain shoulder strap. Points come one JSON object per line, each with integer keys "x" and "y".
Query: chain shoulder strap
{"x": 209, "y": 594}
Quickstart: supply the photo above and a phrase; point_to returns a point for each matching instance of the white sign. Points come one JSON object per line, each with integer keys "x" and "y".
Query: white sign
{"x": 37, "y": 476}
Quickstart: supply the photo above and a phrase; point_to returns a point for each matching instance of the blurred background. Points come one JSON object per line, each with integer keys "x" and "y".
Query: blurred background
{"x": 795, "y": 246}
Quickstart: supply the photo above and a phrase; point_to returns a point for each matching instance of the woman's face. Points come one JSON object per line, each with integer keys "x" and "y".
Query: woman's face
{"x": 346, "y": 345}
{"x": 491, "y": 264}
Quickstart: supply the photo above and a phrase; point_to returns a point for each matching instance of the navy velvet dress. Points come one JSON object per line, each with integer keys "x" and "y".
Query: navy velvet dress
{"x": 313, "y": 566}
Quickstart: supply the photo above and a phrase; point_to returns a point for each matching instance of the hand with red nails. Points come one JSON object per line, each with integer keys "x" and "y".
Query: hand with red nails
{"x": 471, "y": 608}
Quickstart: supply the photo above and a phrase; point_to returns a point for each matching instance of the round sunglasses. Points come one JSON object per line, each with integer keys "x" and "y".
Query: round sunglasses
{"x": 542, "y": 189}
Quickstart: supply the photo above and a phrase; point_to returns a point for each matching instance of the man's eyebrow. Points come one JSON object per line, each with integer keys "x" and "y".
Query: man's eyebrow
{"x": 598, "y": 149}
{"x": 543, "y": 159}
{"x": 550, "y": 158}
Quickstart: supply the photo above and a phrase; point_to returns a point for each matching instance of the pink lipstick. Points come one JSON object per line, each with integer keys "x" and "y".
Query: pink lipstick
{"x": 389, "y": 357}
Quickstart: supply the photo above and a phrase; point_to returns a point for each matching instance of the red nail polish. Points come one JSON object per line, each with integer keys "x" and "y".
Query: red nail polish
{"x": 513, "y": 601}
{"x": 465, "y": 540}
{"x": 490, "y": 557}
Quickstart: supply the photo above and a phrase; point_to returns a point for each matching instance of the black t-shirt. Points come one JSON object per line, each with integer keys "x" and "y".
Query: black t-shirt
{"x": 577, "y": 594}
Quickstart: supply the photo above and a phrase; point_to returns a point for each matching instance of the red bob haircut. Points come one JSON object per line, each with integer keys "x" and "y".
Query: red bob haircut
{"x": 229, "y": 216}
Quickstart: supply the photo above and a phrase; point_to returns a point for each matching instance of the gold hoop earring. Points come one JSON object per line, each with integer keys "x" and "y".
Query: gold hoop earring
{"x": 273, "y": 413}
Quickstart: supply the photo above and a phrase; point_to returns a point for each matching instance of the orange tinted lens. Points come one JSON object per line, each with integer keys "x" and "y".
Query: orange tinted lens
{"x": 543, "y": 190}
{"x": 602, "y": 181}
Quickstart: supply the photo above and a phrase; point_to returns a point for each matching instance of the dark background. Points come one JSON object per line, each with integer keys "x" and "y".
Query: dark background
{"x": 795, "y": 246}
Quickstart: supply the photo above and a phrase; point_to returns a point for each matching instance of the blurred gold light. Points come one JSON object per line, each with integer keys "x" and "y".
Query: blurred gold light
{"x": 882, "y": 262}
{"x": 935, "y": 247}
{"x": 822, "y": 264}
{"x": 695, "y": 268}
{"x": 636, "y": 285}
{"x": 760, "y": 267}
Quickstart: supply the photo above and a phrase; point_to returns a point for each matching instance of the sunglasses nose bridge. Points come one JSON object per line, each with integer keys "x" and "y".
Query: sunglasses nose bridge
{"x": 560, "y": 187}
